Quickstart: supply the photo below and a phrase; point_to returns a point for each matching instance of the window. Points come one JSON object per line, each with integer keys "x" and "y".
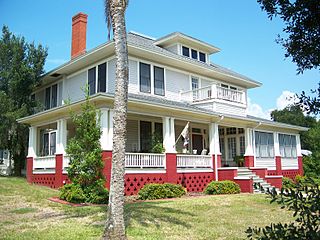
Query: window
{"x": 196, "y": 130}
{"x": 264, "y": 144}
{"x": 194, "y": 54}
{"x": 48, "y": 143}
{"x": 158, "y": 81}
{"x": 242, "y": 145}
{"x": 202, "y": 57}
{"x": 145, "y": 136}
{"x": 195, "y": 86}
{"x": 158, "y": 131}
{"x": 92, "y": 80}
{"x": 221, "y": 144}
{"x": 102, "y": 77}
{"x": 231, "y": 131}
{"x": 224, "y": 85}
{"x": 221, "y": 131}
{"x": 288, "y": 146}
{"x": 145, "y": 78}
{"x": 51, "y": 97}
{"x": 185, "y": 51}
{"x": 241, "y": 130}
{"x": 232, "y": 149}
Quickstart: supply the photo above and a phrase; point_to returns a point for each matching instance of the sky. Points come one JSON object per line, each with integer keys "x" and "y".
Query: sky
{"x": 240, "y": 29}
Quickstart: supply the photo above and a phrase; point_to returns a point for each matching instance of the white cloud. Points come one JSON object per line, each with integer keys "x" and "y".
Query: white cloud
{"x": 256, "y": 110}
{"x": 286, "y": 98}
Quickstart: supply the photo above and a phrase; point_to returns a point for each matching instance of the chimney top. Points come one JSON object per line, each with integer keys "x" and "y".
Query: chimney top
{"x": 79, "y": 32}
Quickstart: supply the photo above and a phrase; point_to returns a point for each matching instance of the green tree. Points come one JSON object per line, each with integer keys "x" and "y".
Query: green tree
{"x": 85, "y": 167}
{"x": 115, "y": 16}
{"x": 21, "y": 66}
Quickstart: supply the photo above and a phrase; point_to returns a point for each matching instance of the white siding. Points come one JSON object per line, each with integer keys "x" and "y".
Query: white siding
{"x": 269, "y": 163}
{"x": 229, "y": 109}
{"x": 111, "y": 75}
{"x": 133, "y": 77}
{"x": 289, "y": 163}
{"x": 60, "y": 92}
{"x": 173, "y": 48}
{"x": 178, "y": 129}
{"x": 73, "y": 87}
{"x": 132, "y": 136}
{"x": 176, "y": 82}
{"x": 205, "y": 82}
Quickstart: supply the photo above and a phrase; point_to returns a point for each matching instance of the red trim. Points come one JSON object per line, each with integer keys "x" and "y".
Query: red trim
{"x": 29, "y": 169}
{"x": 59, "y": 169}
{"x": 249, "y": 161}
{"x": 261, "y": 172}
{"x": 246, "y": 185}
{"x": 278, "y": 165}
{"x": 107, "y": 159}
{"x": 195, "y": 182}
{"x": 171, "y": 165}
{"x": 227, "y": 174}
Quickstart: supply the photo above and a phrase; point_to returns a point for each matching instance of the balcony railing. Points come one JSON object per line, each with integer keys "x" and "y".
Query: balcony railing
{"x": 194, "y": 161}
{"x": 145, "y": 160}
{"x": 44, "y": 163}
{"x": 214, "y": 92}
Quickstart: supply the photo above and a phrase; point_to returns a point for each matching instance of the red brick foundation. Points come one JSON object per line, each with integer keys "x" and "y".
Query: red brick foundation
{"x": 249, "y": 161}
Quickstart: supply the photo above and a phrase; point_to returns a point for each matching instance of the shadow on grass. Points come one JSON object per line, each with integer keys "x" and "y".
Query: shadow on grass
{"x": 153, "y": 213}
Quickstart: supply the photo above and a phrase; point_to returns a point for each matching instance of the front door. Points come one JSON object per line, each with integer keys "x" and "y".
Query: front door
{"x": 197, "y": 143}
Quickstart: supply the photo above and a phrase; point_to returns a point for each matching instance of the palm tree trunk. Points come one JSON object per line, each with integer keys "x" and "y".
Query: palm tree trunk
{"x": 115, "y": 228}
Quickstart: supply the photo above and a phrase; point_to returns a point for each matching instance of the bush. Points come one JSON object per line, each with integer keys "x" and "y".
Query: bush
{"x": 222, "y": 187}
{"x": 94, "y": 193}
{"x": 157, "y": 191}
{"x": 287, "y": 183}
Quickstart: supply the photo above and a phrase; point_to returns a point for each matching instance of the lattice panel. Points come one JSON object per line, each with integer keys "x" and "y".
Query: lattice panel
{"x": 272, "y": 173}
{"x": 44, "y": 179}
{"x": 134, "y": 182}
{"x": 195, "y": 182}
{"x": 290, "y": 173}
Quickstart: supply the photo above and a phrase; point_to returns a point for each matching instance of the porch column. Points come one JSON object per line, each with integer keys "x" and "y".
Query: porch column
{"x": 31, "y": 152}
{"x": 168, "y": 135}
{"x": 249, "y": 154}
{"x": 277, "y": 153}
{"x": 214, "y": 147}
{"x": 61, "y": 136}
{"x": 299, "y": 155}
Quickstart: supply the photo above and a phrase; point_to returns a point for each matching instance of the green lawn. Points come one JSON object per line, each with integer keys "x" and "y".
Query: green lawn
{"x": 25, "y": 213}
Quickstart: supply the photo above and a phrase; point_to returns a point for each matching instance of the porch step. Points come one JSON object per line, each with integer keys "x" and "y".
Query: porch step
{"x": 257, "y": 181}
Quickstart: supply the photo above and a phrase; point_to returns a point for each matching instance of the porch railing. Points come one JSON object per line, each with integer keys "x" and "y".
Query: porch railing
{"x": 194, "y": 161}
{"x": 145, "y": 160}
{"x": 289, "y": 163}
{"x": 214, "y": 92}
{"x": 65, "y": 163}
{"x": 42, "y": 163}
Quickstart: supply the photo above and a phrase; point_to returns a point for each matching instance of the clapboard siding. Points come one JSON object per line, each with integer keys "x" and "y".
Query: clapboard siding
{"x": 73, "y": 87}
{"x": 176, "y": 82}
{"x": 132, "y": 136}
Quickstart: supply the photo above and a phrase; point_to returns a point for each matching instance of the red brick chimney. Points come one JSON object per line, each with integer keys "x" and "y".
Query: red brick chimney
{"x": 79, "y": 32}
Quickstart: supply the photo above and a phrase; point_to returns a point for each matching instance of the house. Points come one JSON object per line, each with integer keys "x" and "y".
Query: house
{"x": 5, "y": 162}
{"x": 171, "y": 83}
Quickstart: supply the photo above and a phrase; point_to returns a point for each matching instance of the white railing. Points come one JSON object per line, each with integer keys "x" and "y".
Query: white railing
{"x": 266, "y": 162}
{"x": 47, "y": 162}
{"x": 289, "y": 163}
{"x": 230, "y": 94}
{"x": 194, "y": 161}
{"x": 145, "y": 160}
{"x": 65, "y": 164}
{"x": 213, "y": 92}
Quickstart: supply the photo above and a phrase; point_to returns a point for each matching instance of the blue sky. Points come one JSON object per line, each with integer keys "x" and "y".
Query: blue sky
{"x": 240, "y": 29}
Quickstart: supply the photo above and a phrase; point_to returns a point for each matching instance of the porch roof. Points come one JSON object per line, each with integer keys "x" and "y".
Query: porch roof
{"x": 170, "y": 107}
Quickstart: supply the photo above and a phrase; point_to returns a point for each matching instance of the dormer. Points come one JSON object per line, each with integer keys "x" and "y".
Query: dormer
{"x": 187, "y": 46}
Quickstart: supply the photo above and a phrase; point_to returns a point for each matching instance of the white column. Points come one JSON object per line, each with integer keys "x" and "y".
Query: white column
{"x": 106, "y": 124}
{"x": 214, "y": 146}
{"x": 61, "y": 136}
{"x": 249, "y": 142}
{"x": 32, "y": 146}
{"x": 276, "y": 144}
{"x": 168, "y": 134}
{"x": 299, "y": 154}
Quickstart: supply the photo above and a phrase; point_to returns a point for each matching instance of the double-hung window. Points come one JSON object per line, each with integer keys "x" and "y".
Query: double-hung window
{"x": 145, "y": 78}
{"x": 288, "y": 146}
{"x": 185, "y": 51}
{"x": 102, "y": 77}
{"x": 92, "y": 80}
{"x": 159, "y": 81}
{"x": 51, "y": 97}
{"x": 264, "y": 144}
{"x": 194, "y": 87}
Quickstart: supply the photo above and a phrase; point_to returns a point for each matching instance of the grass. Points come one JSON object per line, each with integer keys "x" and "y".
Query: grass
{"x": 25, "y": 213}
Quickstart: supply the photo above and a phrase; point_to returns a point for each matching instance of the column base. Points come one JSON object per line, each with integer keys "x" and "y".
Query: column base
{"x": 249, "y": 161}
{"x": 278, "y": 165}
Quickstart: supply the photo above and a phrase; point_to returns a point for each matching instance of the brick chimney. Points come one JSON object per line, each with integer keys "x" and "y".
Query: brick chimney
{"x": 79, "y": 32}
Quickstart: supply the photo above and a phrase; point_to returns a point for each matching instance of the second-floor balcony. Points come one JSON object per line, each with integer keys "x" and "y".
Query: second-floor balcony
{"x": 214, "y": 92}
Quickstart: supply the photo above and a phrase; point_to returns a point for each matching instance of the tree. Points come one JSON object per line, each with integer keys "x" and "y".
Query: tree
{"x": 115, "y": 16}
{"x": 21, "y": 66}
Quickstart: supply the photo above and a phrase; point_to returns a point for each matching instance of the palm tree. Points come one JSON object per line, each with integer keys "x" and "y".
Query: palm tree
{"x": 115, "y": 17}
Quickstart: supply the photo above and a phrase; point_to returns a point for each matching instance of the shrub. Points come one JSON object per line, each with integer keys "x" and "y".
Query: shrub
{"x": 157, "y": 191}
{"x": 222, "y": 187}
{"x": 287, "y": 183}
{"x": 72, "y": 193}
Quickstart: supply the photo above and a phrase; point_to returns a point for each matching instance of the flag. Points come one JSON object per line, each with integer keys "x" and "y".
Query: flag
{"x": 185, "y": 135}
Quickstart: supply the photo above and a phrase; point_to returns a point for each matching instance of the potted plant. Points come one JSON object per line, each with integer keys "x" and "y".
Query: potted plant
{"x": 239, "y": 160}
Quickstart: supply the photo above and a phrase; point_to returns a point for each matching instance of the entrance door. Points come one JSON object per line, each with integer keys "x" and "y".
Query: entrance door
{"x": 197, "y": 143}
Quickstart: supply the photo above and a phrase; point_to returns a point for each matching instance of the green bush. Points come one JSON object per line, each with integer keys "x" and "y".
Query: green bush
{"x": 157, "y": 191}
{"x": 95, "y": 193}
{"x": 287, "y": 183}
{"x": 222, "y": 187}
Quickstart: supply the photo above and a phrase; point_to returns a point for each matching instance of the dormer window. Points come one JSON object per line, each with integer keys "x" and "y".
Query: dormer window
{"x": 194, "y": 54}
{"x": 185, "y": 51}
{"x": 202, "y": 57}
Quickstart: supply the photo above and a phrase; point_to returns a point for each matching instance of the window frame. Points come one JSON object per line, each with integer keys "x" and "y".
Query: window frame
{"x": 162, "y": 93}
{"x": 149, "y": 78}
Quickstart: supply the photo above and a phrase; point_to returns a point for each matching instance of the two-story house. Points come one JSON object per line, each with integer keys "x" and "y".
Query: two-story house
{"x": 171, "y": 83}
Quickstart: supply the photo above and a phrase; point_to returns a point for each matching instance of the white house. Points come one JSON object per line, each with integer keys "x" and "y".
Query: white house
{"x": 171, "y": 82}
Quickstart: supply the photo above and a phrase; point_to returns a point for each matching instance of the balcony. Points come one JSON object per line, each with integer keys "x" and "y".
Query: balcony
{"x": 214, "y": 92}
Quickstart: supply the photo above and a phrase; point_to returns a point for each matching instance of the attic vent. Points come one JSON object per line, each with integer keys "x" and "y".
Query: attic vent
{"x": 55, "y": 75}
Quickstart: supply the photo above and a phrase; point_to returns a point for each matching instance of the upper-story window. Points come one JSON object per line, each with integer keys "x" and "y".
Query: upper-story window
{"x": 145, "y": 78}
{"x": 97, "y": 84}
{"x": 51, "y": 97}
{"x": 194, "y": 83}
{"x": 185, "y": 51}
{"x": 194, "y": 54}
